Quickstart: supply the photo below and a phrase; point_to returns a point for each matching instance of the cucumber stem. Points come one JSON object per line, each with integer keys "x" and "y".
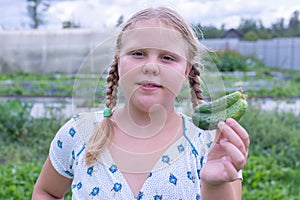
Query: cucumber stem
{"x": 244, "y": 96}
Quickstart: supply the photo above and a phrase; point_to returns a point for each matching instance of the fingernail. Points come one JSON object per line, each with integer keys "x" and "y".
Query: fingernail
{"x": 225, "y": 158}
{"x": 220, "y": 125}
{"x": 223, "y": 141}
{"x": 229, "y": 121}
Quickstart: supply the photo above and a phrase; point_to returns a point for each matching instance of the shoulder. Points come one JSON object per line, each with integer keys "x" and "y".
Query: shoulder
{"x": 80, "y": 126}
{"x": 70, "y": 140}
{"x": 83, "y": 124}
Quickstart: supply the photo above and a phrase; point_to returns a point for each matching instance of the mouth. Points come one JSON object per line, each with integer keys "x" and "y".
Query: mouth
{"x": 149, "y": 84}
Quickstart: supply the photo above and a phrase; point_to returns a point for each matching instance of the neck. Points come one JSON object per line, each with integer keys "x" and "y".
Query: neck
{"x": 145, "y": 124}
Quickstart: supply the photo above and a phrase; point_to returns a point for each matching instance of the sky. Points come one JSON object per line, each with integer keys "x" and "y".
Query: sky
{"x": 105, "y": 13}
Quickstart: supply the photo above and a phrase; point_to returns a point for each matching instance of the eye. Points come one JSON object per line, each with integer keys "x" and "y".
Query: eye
{"x": 168, "y": 58}
{"x": 137, "y": 54}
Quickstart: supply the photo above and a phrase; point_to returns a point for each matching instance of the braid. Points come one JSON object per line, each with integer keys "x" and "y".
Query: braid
{"x": 98, "y": 140}
{"x": 112, "y": 85}
{"x": 194, "y": 80}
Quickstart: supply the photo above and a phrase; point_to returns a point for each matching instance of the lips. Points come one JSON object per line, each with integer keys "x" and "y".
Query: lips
{"x": 149, "y": 84}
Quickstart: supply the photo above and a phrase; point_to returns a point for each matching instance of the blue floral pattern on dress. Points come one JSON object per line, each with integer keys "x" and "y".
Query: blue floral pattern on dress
{"x": 180, "y": 148}
{"x": 117, "y": 187}
{"x": 157, "y": 197}
{"x": 95, "y": 191}
{"x": 165, "y": 159}
{"x": 184, "y": 160}
{"x": 139, "y": 196}
{"x": 90, "y": 170}
{"x": 190, "y": 176}
{"x": 113, "y": 168}
{"x": 209, "y": 144}
{"x": 69, "y": 173}
{"x": 172, "y": 179}
{"x": 79, "y": 185}
{"x": 72, "y": 132}
{"x": 59, "y": 144}
{"x": 75, "y": 116}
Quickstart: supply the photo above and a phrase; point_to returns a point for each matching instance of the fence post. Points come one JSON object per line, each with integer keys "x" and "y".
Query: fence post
{"x": 292, "y": 53}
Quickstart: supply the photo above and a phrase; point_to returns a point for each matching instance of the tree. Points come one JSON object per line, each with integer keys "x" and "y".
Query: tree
{"x": 36, "y": 9}
{"x": 278, "y": 29}
{"x": 251, "y": 36}
{"x": 247, "y": 25}
{"x": 294, "y": 25}
{"x": 120, "y": 21}
{"x": 70, "y": 24}
{"x": 263, "y": 33}
{"x": 208, "y": 31}
{"x": 294, "y": 20}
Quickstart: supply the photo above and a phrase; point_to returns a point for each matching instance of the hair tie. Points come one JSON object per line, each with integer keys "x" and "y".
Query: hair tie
{"x": 106, "y": 112}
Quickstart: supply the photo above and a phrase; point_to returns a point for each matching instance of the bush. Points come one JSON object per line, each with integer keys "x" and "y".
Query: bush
{"x": 265, "y": 178}
{"x": 18, "y": 180}
{"x": 15, "y": 120}
{"x": 24, "y": 144}
{"x": 274, "y": 133}
{"x": 22, "y": 137}
{"x": 229, "y": 61}
{"x": 272, "y": 168}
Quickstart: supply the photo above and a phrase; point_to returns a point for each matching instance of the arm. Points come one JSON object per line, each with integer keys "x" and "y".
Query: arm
{"x": 50, "y": 184}
{"x": 230, "y": 190}
{"x": 219, "y": 176}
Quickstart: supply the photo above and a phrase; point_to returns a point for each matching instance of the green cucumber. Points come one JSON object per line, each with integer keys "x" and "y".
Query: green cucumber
{"x": 209, "y": 121}
{"x": 219, "y": 104}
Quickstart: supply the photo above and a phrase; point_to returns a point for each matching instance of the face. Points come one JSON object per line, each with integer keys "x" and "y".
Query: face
{"x": 152, "y": 65}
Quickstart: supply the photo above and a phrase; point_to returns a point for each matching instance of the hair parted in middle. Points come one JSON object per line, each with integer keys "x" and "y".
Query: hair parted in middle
{"x": 169, "y": 17}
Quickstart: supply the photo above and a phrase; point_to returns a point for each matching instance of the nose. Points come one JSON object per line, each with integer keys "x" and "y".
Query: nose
{"x": 151, "y": 69}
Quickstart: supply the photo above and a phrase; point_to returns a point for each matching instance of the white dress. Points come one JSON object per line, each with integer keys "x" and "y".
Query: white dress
{"x": 175, "y": 176}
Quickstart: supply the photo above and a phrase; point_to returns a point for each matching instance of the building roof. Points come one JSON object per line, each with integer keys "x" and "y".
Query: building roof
{"x": 232, "y": 33}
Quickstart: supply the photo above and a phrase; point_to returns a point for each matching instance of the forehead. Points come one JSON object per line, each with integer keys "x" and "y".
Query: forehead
{"x": 153, "y": 34}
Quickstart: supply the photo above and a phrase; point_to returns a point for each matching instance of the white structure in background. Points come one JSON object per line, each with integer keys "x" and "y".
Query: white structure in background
{"x": 65, "y": 50}
{"x": 278, "y": 53}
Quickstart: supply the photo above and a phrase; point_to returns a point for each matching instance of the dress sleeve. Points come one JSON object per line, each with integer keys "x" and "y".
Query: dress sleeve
{"x": 70, "y": 142}
{"x": 62, "y": 149}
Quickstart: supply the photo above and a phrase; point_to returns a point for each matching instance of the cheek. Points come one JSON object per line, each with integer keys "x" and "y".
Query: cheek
{"x": 123, "y": 66}
{"x": 173, "y": 79}
{"x": 127, "y": 77}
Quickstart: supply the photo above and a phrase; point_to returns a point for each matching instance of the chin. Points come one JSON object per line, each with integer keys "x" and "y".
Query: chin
{"x": 144, "y": 104}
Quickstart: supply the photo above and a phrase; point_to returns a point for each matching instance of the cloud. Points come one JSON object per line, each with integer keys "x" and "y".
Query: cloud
{"x": 105, "y": 13}
{"x": 13, "y": 14}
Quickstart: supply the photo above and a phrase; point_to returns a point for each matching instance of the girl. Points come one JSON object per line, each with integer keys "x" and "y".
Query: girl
{"x": 144, "y": 149}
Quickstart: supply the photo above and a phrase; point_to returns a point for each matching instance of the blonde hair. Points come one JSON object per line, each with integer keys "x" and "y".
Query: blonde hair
{"x": 97, "y": 142}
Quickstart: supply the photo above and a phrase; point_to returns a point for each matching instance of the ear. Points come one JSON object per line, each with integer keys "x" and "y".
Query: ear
{"x": 188, "y": 69}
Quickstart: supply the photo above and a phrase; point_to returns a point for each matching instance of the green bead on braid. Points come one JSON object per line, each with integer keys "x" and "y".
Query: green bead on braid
{"x": 107, "y": 112}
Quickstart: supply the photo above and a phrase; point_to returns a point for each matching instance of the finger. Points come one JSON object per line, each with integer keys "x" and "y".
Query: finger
{"x": 232, "y": 136}
{"x": 237, "y": 158}
{"x": 218, "y": 136}
{"x": 231, "y": 173}
{"x": 239, "y": 130}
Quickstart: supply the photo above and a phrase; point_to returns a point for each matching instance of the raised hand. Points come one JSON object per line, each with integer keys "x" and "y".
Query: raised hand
{"x": 229, "y": 154}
